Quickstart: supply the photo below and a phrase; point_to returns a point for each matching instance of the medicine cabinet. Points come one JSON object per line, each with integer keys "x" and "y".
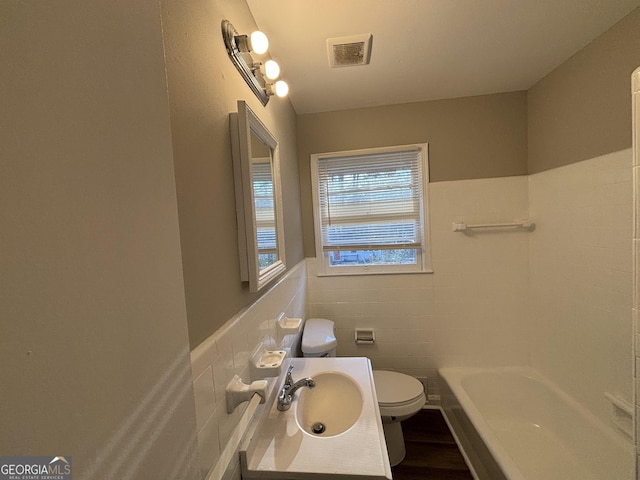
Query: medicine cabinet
{"x": 256, "y": 168}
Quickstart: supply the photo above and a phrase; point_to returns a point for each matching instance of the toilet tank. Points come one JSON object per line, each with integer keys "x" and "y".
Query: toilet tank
{"x": 318, "y": 338}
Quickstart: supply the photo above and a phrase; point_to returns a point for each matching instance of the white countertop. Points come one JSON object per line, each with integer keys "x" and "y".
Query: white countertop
{"x": 279, "y": 448}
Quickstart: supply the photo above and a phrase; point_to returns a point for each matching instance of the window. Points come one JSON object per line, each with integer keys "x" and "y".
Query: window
{"x": 370, "y": 210}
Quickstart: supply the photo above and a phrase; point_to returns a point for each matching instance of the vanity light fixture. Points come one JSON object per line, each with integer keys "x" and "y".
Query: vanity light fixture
{"x": 258, "y": 76}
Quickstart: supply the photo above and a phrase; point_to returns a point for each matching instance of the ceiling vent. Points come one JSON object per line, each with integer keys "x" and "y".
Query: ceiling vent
{"x": 350, "y": 51}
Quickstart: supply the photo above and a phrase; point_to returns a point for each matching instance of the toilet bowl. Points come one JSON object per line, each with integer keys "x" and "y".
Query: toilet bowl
{"x": 400, "y": 396}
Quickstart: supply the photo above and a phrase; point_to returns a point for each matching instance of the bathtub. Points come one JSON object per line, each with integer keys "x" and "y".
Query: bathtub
{"x": 513, "y": 424}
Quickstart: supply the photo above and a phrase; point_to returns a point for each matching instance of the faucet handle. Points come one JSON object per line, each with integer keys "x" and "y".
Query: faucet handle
{"x": 288, "y": 378}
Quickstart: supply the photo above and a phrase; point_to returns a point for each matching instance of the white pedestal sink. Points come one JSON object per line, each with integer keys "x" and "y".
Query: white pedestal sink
{"x": 331, "y": 431}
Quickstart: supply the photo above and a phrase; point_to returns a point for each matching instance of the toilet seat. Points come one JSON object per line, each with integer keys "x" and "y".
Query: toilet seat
{"x": 399, "y": 395}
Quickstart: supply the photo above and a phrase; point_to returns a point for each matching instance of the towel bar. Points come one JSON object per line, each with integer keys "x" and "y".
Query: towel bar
{"x": 524, "y": 224}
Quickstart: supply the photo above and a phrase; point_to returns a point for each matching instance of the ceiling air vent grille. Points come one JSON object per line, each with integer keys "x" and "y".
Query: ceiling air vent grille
{"x": 349, "y": 51}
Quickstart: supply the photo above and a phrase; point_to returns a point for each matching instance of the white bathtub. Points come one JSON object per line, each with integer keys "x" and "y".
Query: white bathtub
{"x": 513, "y": 424}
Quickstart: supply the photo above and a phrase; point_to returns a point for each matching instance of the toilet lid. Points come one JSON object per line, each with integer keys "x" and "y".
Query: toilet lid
{"x": 394, "y": 387}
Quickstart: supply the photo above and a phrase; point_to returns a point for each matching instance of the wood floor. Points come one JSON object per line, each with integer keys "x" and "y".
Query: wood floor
{"x": 432, "y": 453}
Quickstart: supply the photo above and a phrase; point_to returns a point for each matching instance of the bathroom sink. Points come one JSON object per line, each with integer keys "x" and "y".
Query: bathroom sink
{"x": 332, "y": 407}
{"x": 284, "y": 444}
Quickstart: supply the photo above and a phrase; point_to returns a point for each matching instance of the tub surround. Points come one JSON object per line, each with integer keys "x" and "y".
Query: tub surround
{"x": 581, "y": 289}
{"x": 514, "y": 424}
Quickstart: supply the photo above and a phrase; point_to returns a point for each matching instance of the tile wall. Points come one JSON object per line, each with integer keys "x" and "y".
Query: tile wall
{"x": 226, "y": 353}
{"x": 470, "y": 311}
{"x": 581, "y": 279}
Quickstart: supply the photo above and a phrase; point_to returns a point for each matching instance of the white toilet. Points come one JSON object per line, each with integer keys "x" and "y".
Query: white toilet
{"x": 400, "y": 396}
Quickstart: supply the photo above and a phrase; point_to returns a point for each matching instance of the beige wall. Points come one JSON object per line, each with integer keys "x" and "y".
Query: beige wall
{"x": 472, "y": 137}
{"x": 94, "y": 351}
{"x": 204, "y": 88}
{"x": 582, "y": 109}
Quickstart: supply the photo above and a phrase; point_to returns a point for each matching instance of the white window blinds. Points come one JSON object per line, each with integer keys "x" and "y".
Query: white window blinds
{"x": 371, "y": 201}
{"x": 264, "y": 205}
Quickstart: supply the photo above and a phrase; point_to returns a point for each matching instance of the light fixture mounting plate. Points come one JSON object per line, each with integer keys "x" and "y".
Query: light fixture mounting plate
{"x": 243, "y": 62}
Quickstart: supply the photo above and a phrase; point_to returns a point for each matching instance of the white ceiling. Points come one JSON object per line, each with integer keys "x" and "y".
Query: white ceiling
{"x": 426, "y": 49}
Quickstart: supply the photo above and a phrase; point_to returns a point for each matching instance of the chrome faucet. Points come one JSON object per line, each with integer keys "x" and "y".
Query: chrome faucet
{"x": 285, "y": 396}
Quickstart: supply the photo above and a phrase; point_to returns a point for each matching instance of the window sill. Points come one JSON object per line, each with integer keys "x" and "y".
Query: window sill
{"x": 355, "y": 274}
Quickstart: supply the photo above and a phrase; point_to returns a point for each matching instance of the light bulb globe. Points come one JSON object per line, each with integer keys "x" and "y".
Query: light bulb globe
{"x": 271, "y": 69}
{"x": 282, "y": 89}
{"x": 259, "y": 42}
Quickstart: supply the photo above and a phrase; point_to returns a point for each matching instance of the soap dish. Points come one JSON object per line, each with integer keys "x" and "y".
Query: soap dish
{"x": 288, "y": 326}
{"x": 266, "y": 363}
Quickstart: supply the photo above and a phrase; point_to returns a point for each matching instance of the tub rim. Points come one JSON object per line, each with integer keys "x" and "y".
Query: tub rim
{"x": 453, "y": 377}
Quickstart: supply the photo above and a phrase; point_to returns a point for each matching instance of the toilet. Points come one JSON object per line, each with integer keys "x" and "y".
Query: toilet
{"x": 318, "y": 338}
{"x": 400, "y": 396}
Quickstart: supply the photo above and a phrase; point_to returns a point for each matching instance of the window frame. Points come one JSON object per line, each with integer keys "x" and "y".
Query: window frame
{"x": 423, "y": 264}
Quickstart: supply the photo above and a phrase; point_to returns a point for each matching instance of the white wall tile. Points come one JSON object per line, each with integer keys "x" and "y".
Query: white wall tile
{"x": 205, "y": 398}
{"x": 581, "y": 280}
{"x": 203, "y": 356}
{"x": 424, "y": 322}
{"x": 208, "y": 447}
{"x": 223, "y": 369}
{"x": 227, "y": 352}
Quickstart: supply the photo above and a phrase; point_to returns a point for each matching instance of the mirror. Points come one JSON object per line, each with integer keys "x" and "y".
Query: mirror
{"x": 258, "y": 199}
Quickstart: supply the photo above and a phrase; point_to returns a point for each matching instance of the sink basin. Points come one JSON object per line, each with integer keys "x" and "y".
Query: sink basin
{"x": 332, "y": 407}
